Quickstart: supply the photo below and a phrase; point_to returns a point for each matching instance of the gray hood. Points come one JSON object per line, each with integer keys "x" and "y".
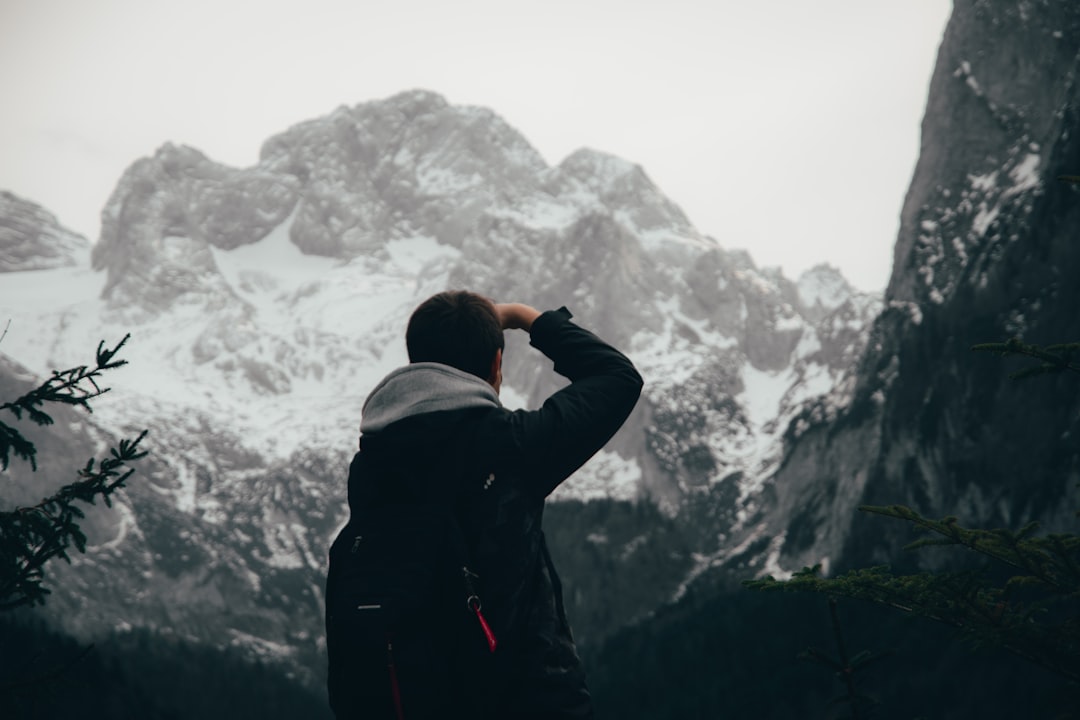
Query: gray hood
{"x": 422, "y": 388}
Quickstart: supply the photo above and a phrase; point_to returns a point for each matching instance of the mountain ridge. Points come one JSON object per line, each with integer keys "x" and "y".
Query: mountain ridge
{"x": 263, "y": 300}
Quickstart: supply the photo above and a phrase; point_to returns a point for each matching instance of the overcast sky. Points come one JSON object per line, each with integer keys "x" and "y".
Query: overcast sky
{"x": 787, "y": 127}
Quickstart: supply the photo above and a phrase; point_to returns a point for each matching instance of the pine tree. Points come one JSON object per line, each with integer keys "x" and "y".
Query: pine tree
{"x": 1025, "y": 599}
{"x": 1032, "y": 611}
{"x": 846, "y": 668}
{"x": 32, "y": 536}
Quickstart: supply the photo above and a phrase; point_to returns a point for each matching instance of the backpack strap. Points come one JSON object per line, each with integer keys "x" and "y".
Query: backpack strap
{"x": 472, "y": 598}
{"x": 392, "y": 485}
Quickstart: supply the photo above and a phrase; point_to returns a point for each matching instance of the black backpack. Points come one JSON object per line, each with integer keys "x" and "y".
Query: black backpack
{"x": 406, "y": 633}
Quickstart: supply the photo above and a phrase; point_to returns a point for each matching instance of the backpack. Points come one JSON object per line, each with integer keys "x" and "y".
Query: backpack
{"x": 406, "y": 633}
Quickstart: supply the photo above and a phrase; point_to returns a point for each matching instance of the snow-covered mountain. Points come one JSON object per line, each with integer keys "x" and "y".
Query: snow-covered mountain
{"x": 265, "y": 302}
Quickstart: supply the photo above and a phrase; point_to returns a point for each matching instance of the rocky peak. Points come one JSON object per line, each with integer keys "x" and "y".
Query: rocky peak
{"x": 986, "y": 141}
{"x": 395, "y": 168}
{"x": 166, "y": 213}
{"x": 589, "y": 177}
{"x": 602, "y": 172}
{"x": 349, "y": 184}
{"x": 821, "y": 290}
{"x": 31, "y": 238}
{"x": 411, "y": 195}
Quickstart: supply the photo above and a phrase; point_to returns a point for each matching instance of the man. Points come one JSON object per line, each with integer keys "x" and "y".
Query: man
{"x": 444, "y": 468}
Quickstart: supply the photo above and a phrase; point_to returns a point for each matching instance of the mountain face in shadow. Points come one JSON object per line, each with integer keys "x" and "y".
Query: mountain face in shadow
{"x": 986, "y": 251}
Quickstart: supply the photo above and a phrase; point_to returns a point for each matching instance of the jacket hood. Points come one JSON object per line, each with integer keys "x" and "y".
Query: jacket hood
{"x": 422, "y": 388}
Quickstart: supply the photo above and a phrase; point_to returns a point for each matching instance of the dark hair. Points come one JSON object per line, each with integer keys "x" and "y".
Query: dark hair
{"x": 456, "y": 328}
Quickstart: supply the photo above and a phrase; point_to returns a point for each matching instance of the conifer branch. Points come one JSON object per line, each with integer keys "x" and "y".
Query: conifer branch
{"x": 1033, "y": 614}
{"x": 1053, "y": 358}
{"x": 844, "y": 666}
{"x": 75, "y": 386}
{"x": 1041, "y": 628}
{"x": 32, "y": 536}
{"x": 954, "y": 599}
{"x": 1046, "y": 559}
{"x": 846, "y": 670}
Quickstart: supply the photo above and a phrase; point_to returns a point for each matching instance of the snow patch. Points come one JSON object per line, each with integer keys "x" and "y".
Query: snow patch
{"x": 439, "y": 181}
{"x": 763, "y": 391}
{"x": 540, "y": 212}
{"x": 125, "y": 523}
{"x": 1025, "y": 175}
{"x": 772, "y": 558}
{"x": 984, "y": 219}
{"x": 275, "y": 255}
{"x": 512, "y": 399}
{"x": 606, "y": 475}
{"x": 673, "y": 355}
{"x": 984, "y": 183}
{"x": 262, "y": 648}
{"x": 757, "y": 282}
{"x": 413, "y": 255}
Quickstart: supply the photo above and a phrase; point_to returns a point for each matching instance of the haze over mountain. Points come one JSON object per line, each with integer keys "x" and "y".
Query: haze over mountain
{"x": 986, "y": 251}
{"x": 264, "y": 302}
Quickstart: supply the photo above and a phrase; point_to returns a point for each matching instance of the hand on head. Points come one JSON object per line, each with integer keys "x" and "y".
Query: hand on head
{"x": 516, "y": 316}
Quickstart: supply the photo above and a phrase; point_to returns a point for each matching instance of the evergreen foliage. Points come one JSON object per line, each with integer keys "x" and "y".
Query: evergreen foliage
{"x": 633, "y": 559}
{"x": 1024, "y": 597}
{"x": 32, "y": 536}
{"x": 1052, "y": 358}
{"x": 736, "y": 654}
{"x": 1030, "y": 611}
{"x": 845, "y": 666}
{"x": 140, "y": 674}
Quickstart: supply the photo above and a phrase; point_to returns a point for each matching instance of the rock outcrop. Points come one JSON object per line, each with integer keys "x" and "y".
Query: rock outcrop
{"x": 31, "y": 238}
{"x": 987, "y": 251}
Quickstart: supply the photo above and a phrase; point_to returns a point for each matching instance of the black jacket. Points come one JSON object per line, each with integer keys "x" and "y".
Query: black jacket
{"x": 456, "y": 442}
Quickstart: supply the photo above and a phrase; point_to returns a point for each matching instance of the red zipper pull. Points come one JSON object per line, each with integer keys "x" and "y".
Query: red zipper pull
{"x": 395, "y": 688}
{"x": 472, "y": 601}
{"x": 474, "y": 604}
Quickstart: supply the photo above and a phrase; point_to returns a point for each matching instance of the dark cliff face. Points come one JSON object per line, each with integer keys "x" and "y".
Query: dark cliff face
{"x": 987, "y": 250}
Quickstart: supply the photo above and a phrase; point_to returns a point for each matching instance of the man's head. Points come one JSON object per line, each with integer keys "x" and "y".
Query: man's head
{"x": 460, "y": 329}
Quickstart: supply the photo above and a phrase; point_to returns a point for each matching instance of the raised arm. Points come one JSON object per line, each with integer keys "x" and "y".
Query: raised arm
{"x": 575, "y": 422}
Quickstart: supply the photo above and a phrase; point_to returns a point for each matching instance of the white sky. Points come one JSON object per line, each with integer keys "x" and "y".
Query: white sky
{"x": 788, "y": 127}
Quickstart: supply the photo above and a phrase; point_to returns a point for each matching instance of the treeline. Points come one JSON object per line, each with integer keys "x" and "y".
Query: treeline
{"x": 714, "y": 654}
{"x": 138, "y": 674}
{"x": 617, "y": 561}
{"x": 737, "y": 655}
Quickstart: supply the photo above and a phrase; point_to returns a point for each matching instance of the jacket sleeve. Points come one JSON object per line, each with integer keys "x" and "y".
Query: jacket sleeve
{"x": 574, "y": 423}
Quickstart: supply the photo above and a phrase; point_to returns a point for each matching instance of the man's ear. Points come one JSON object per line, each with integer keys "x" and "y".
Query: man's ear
{"x": 495, "y": 376}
